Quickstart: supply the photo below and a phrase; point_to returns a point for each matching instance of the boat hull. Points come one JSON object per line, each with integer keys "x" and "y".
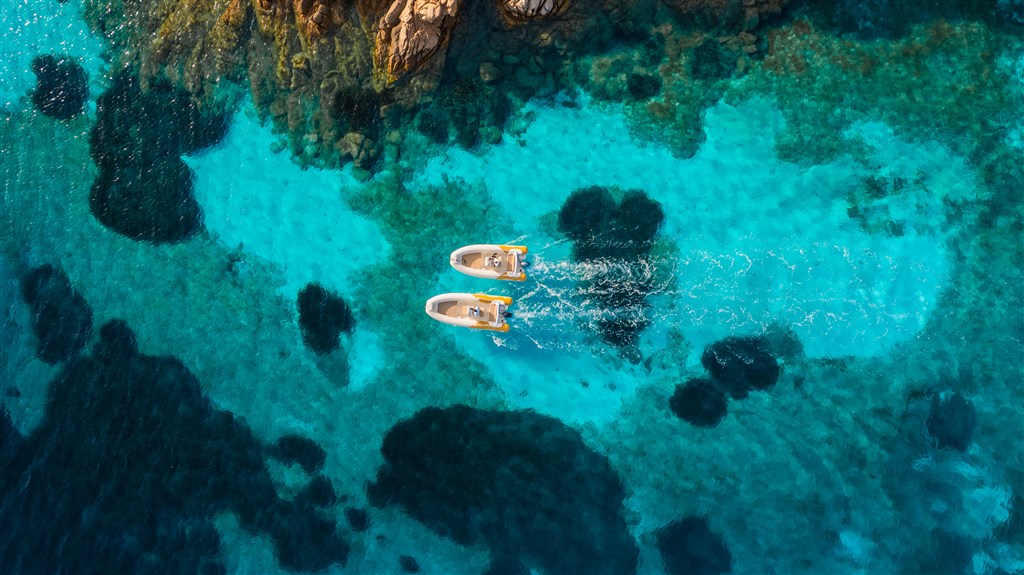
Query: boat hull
{"x": 491, "y": 261}
{"x": 474, "y": 311}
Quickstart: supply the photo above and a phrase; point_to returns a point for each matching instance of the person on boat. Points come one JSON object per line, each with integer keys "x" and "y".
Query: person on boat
{"x": 493, "y": 260}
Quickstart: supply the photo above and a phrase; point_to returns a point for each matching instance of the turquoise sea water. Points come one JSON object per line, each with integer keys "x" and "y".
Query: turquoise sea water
{"x": 836, "y": 468}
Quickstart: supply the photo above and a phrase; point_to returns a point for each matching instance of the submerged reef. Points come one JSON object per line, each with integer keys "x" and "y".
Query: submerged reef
{"x": 888, "y": 19}
{"x": 613, "y": 234}
{"x": 301, "y": 450}
{"x": 689, "y": 547}
{"x": 143, "y": 189}
{"x": 522, "y": 483}
{"x": 506, "y": 566}
{"x": 735, "y": 365}
{"x": 10, "y": 441}
{"x": 61, "y": 318}
{"x": 740, "y": 364}
{"x": 941, "y": 81}
{"x": 951, "y": 420}
{"x": 323, "y": 317}
{"x": 699, "y": 402}
{"x": 128, "y": 468}
{"x": 319, "y": 492}
{"x": 62, "y": 87}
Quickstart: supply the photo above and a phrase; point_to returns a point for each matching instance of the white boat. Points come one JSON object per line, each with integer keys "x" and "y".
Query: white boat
{"x": 491, "y": 261}
{"x": 476, "y": 311}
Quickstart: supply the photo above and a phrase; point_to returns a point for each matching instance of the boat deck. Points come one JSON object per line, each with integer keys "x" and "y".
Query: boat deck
{"x": 478, "y": 260}
{"x": 460, "y": 309}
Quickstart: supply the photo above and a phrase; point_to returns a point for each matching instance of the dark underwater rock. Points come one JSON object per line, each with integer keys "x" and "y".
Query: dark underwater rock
{"x": 464, "y": 106}
{"x": 358, "y": 519}
{"x": 43, "y": 283}
{"x": 61, "y": 318}
{"x": 741, "y": 363}
{"x": 408, "y": 564}
{"x": 522, "y": 483}
{"x": 1009, "y": 14}
{"x": 318, "y": 492}
{"x": 946, "y": 554}
{"x": 871, "y": 19}
{"x": 622, "y": 331}
{"x": 433, "y": 123}
{"x": 358, "y": 111}
{"x": 689, "y": 547}
{"x": 62, "y": 87}
{"x": 586, "y": 213}
{"x": 635, "y": 222}
{"x": 699, "y": 402}
{"x": 643, "y": 86}
{"x": 152, "y": 202}
{"x": 301, "y": 450}
{"x": 952, "y": 420}
{"x": 128, "y": 467}
{"x": 323, "y": 317}
{"x": 143, "y": 189}
{"x": 506, "y": 566}
{"x": 10, "y": 442}
{"x": 600, "y": 228}
{"x": 469, "y": 105}
{"x": 620, "y": 233}
{"x": 710, "y": 61}
{"x": 117, "y": 343}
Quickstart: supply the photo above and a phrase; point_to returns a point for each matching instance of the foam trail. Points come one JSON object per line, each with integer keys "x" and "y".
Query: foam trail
{"x": 747, "y": 289}
{"x": 561, "y": 311}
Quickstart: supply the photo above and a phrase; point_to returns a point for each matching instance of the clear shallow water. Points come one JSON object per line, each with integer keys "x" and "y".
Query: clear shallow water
{"x": 750, "y": 243}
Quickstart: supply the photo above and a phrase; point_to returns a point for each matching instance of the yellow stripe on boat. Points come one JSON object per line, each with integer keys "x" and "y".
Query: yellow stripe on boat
{"x": 485, "y": 326}
{"x": 523, "y": 249}
{"x": 489, "y": 298}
